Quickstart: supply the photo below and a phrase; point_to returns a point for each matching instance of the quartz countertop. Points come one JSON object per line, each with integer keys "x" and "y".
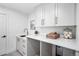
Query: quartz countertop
{"x": 67, "y": 43}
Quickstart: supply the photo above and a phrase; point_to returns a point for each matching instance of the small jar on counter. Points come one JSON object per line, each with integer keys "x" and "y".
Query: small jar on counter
{"x": 67, "y": 33}
{"x": 36, "y": 32}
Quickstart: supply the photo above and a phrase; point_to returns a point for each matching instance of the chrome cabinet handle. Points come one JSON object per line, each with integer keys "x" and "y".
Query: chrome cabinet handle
{"x": 42, "y": 22}
{"x": 56, "y": 20}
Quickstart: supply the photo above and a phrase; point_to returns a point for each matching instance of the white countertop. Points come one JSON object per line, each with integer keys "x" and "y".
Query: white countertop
{"x": 67, "y": 43}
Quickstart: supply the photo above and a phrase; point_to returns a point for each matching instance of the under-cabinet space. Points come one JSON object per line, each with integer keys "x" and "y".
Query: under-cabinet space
{"x": 45, "y": 49}
{"x": 33, "y": 47}
{"x": 68, "y": 52}
{"x": 77, "y": 53}
{"x": 61, "y": 51}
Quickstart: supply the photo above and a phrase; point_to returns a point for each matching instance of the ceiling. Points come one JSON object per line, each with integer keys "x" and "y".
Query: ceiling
{"x": 24, "y": 8}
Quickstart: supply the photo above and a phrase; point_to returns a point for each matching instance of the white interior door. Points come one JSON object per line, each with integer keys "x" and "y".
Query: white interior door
{"x": 3, "y": 27}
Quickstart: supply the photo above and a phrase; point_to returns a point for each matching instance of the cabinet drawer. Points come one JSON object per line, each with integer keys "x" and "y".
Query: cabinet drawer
{"x": 23, "y": 41}
{"x": 24, "y": 46}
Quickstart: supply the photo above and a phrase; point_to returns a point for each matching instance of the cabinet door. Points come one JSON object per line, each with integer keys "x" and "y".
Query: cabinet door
{"x": 33, "y": 47}
{"x": 49, "y": 14}
{"x": 68, "y": 52}
{"x": 3, "y": 33}
{"x": 45, "y": 15}
{"x": 65, "y": 14}
{"x": 45, "y": 49}
{"x": 76, "y": 53}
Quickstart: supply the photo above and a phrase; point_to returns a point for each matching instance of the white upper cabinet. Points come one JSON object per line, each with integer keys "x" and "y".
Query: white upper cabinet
{"x": 45, "y": 15}
{"x": 49, "y": 14}
{"x": 65, "y": 14}
{"x": 61, "y": 14}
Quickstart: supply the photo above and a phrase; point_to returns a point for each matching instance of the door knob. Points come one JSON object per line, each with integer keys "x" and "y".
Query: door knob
{"x": 4, "y": 36}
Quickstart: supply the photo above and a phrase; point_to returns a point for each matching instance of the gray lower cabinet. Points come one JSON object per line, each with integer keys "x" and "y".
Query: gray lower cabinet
{"x": 33, "y": 47}
{"x": 61, "y": 51}
{"x": 77, "y": 53}
{"x": 39, "y": 48}
{"x": 45, "y": 49}
{"x": 68, "y": 52}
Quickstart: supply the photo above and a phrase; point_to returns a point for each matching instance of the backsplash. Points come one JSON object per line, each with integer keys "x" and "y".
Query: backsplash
{"x": 59, "y": 29}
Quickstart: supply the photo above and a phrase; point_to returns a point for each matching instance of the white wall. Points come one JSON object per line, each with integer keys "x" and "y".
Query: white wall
{"x": 16, "y": 23}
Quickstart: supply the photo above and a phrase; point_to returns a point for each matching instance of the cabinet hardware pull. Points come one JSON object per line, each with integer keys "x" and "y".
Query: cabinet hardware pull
{"x": 56, "y": 20}
{"x": 4, "y": 36}
{"x": 42, "y": 22}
